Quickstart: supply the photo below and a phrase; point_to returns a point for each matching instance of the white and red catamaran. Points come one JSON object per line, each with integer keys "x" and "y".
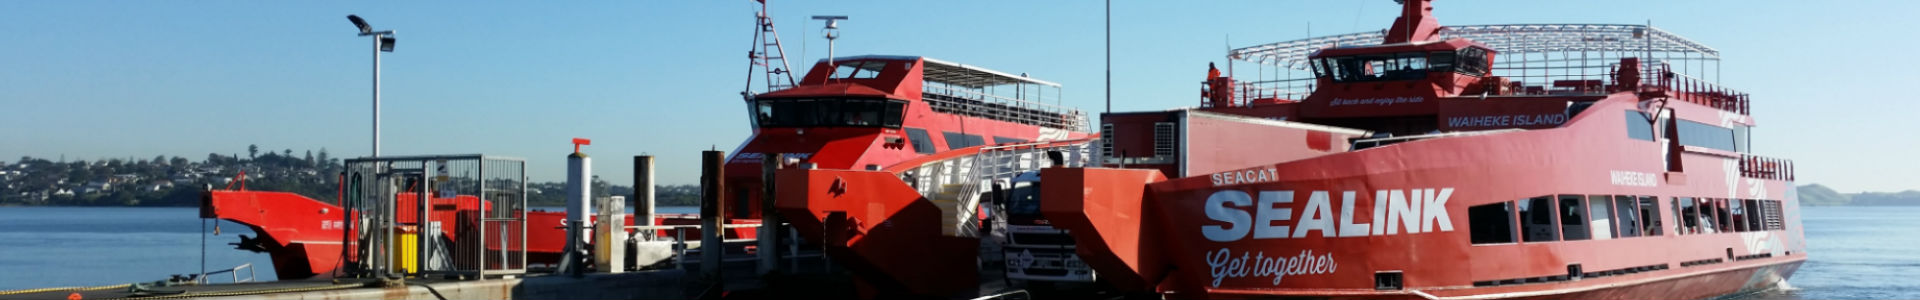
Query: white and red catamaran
{"x": 1466, "y": 162}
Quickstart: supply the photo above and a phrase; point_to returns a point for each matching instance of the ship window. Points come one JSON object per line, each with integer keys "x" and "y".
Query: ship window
{"x": 1638, "y": 126}
{"x": 1319, "y": 67}
{"x": 1440, "y": 60}
{"x": 1723, "y": 219}
{"x": 1573, "y": 218}
{"x": 1703, "y": 135}
{"x": 1737, "y": 215}
{"x": 1472, "y": 61}
{"x": 1491, "y": 223}
{"x": 1343, "y": 68}
{"x": 1740, "y": 135}
{"x": 1630, "y": 217}
{"x": 1755, "y": 215}
{"x": 828, "y": 113}
{"x": 1536, "y": 219}
{"x": 1689, "y": 215}
{"x": 1602, "y": 216}
{"x": 1376, "y": 67}
{"x": 859, "y": 69}
{"x": 921, "y": 142}
{"x": 890, "y": 115}
{"x": 1650, "y": 216}
{"x": 1709, "y": 214}
{"x": 1007, "y": 140}
{"x": 957, "y": 140}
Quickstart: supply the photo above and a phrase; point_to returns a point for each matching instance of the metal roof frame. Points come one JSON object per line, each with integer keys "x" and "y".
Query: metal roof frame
{"x": 957, "y": 73}
{"x": 1509, "y": 38}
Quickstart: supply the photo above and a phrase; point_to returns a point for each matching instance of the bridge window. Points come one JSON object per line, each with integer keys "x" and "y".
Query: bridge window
{"x": 1638, "y": 126}
{"x": 1440, "y": 61}
{"x": 1473, "y": 61}
{"x": 1573, "y": 218}
{"x": 859, "y": 69}
{"x": 1703, "y": 135}
{"x": 1400, "y": 66}
{"x": 1536, "y": 219}
{"x": 1491, "y": 223}
{"x": 828, "y": 112}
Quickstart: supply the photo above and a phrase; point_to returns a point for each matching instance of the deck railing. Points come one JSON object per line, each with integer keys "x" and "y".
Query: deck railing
{"x": 1561, "y": 77}
{"x": 1760, "y": 167}
{"x": 962, "y": 101}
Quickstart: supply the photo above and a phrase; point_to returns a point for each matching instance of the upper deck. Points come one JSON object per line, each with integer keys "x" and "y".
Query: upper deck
{"x": 1534, "y": 60}
{"x": 945, "y": 87}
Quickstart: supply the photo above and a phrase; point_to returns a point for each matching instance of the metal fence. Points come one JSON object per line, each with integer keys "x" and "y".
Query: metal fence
{"x": 441, "y": 214}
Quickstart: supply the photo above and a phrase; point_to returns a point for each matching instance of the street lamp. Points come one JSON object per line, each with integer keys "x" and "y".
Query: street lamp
{"x": 382, "y": 42}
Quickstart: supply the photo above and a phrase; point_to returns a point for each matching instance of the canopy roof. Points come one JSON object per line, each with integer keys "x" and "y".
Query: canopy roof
{"x": 1513, "y": 39}
{"x": 956, "y": 73}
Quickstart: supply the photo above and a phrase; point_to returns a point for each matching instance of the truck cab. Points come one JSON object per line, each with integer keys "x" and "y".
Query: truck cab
{"x": 1036, "y": 251}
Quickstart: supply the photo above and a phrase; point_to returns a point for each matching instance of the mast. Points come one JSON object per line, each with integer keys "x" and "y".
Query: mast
{"x": 765, "y": 52}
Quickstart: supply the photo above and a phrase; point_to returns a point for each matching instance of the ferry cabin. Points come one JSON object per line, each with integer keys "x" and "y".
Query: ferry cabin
{"x": 870, "y": 112}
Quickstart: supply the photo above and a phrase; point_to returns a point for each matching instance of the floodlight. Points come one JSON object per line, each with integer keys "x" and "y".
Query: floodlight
{"x": 362, "y": 23}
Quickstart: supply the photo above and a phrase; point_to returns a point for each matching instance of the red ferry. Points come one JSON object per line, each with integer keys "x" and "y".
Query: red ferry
{"x": 1415, "y": 162}
{"x": 1577, "y": 172}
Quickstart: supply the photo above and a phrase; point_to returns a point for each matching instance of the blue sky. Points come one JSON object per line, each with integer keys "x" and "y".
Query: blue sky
{"x": 100, "y": 79}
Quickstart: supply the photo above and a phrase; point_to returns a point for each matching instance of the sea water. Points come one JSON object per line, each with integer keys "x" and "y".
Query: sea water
{"x": 1854, "y": 252}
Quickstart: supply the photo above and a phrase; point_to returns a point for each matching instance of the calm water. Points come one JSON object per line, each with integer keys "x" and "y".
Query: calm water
{"x": 1856, "y": 252}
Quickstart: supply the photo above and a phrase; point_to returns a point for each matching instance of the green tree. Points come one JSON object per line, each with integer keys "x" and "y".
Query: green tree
{"x": 253, "y": 151}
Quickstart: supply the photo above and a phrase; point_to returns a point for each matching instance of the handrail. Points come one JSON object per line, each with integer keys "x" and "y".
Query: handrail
{"x": 1013, "y": 110}
{"x": 1761, "y": 167}
{"x": 1555, "y": 77}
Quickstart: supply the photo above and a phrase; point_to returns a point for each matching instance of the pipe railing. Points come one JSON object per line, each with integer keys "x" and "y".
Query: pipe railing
{"x": 1761, "y": 167}
{"x": 1004, "y": 108}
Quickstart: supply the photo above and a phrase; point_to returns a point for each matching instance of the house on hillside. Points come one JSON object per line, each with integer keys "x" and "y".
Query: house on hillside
{"x": 96, "y": 187}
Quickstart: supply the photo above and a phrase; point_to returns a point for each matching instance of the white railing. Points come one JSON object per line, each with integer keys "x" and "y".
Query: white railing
{"x": 955, "y": 184}
{"x": 970, "y": 102}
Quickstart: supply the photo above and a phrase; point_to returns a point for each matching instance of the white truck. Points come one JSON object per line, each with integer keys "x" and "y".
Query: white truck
{"x": 1037, "y": 254}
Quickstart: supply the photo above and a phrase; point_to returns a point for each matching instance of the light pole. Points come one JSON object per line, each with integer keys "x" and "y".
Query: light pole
{"x": 382, "y": 42}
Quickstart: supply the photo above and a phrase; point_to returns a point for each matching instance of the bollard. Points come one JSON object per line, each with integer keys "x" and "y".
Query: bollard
{"x": 770, "y": 226}
{"x": 712, "y": 217}
{"x": 643, "y": 194}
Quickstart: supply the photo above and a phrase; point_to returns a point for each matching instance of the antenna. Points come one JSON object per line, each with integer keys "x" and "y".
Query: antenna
{"x": 833, "y": 33}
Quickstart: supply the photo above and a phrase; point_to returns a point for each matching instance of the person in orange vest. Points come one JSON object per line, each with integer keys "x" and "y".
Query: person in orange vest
{"x": 1212, "y": 72}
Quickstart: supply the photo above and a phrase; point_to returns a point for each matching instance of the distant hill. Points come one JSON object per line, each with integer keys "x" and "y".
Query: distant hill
{"x": 1819, "y": 195}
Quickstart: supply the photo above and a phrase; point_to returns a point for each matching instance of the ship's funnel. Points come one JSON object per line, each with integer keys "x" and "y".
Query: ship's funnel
{"x": 1416, "y": 23}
